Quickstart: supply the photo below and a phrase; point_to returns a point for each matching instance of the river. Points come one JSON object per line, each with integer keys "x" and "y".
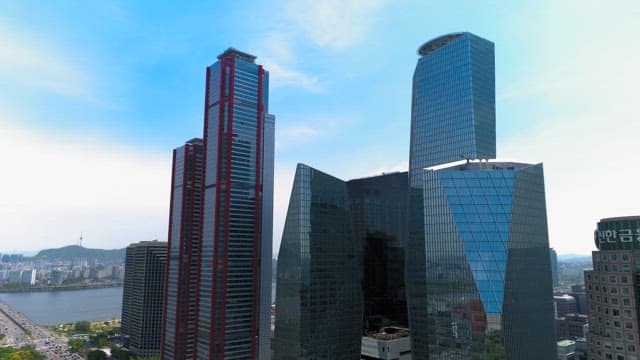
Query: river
{"x": 55, "y": 307}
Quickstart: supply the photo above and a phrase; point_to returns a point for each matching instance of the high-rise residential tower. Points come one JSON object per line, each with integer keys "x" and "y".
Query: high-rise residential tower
{"x": 477, "y": 256}
{"x": 235, "y": 270}
{"x": 612, "y": 288}
{"x": 319, "y": 295}
{"x": 143, "y": 296}
{"x": 183, "y": 263}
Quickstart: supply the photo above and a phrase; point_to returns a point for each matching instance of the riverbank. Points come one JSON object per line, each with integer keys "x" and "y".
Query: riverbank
{"x": 62, "y": 287}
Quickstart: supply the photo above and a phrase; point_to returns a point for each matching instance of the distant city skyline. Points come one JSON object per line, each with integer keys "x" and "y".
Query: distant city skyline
{"x": 88, "y": 116}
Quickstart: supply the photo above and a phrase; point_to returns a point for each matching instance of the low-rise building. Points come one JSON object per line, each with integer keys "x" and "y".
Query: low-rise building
{"x": 566, "y": 350}
{"x": 389, "y": 344}
{"x": 564, "y": 304}
{"x": 572, "y": 326}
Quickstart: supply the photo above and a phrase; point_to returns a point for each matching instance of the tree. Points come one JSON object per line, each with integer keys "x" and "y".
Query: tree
{"x": 25, "y": 353}
{"x": 83, "y": 326}
{"x": 76, "y": 344}
{"x": 120, "y": 354}
{"x": 96, "y": 355}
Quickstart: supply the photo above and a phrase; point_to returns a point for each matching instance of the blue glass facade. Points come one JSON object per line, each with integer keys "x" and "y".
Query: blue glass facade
{"x": 453, "y": 104}
{"x": 319, "y": 295}
{"x": 484, "y": 269}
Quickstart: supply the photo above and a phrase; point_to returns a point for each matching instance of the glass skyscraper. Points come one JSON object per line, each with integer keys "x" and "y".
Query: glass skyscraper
{"x": 378, "y": 207}
{"x": 453, "y": 114}
{"x": 183, "y": 263}
{"x": 477, "y": 256}
{"x": 235, "y": 270}
{"x": 487, "y": 268}
{"x": 319, "y": 295}
{"x": 143, "y": 297}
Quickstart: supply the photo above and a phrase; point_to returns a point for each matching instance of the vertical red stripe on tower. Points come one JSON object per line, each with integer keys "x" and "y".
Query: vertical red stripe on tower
{"x": 257, "y": 253}
{"x": 204, "y": 172}
{"x": 213, "y": 333}
{"x": 166, "y": 270}
{"x": 188, "y": 153}
{"x": 232, "y": 66}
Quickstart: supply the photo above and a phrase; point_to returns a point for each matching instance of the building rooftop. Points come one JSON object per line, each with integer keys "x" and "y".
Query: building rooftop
{"x": 390, "y": 333}
{"x": 239, "y": 54}
{"x": 149, "y": 243}
{"x": 563, "y": 343}
{"x": 195, "y": 141}
{"x": 480, "y": 164}
{"x": 620, "y": 218}
{"x": 435, "y": 44}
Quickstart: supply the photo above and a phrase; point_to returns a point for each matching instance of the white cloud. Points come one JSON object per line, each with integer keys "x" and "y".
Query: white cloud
{"x": 30, "y": 60}
{"x": 278, "y": 58}
{"x": 316, "y": 128}
{"x": 330, "y": 24}
{"x": 334, "y": 24}
{"x": 56, "y": 186}
{"x": 589, "y": 144}
{"x": 297, "y": 131}
{"x": 284, "y": 75}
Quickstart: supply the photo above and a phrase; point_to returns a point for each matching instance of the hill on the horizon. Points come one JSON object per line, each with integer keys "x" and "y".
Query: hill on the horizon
{"x": 71, "y": 252}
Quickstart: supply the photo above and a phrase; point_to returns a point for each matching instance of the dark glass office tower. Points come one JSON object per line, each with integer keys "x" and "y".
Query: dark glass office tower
{"x": 453, "y": 110}
{"x": 235, "y": 281}
{"x": 318, "y": 297}
{"x": 378, "y": 207}
{"x": 183, "y": 264}
{"x": 143, "y": 297}
{"x": 486, "y": 265}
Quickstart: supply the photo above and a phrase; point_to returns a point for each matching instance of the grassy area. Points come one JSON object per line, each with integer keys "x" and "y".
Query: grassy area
{"x": 88, "y": 328}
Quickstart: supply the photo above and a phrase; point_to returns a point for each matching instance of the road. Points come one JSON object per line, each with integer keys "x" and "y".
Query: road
{"x": 21, "y": 331}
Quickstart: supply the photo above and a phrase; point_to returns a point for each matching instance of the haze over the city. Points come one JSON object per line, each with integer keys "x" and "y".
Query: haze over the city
{"x": 94, "y": 96}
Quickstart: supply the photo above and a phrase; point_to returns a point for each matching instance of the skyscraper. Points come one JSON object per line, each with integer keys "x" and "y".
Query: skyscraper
{"x": 319, "y": 295}
{"x": 477, "y": 254}
{"x": 183, "y": 263}
{"x": 235, "y": 277}
{"x": 612, "y": 290}
{"x": 453, "y": 114}
{"x": 142, "y": 297}
{"x": 378, "y": 208}
{"x": 444, "y": 129}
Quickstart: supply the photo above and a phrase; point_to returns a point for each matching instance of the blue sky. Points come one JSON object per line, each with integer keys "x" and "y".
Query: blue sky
{"x": 94, "y": 96}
